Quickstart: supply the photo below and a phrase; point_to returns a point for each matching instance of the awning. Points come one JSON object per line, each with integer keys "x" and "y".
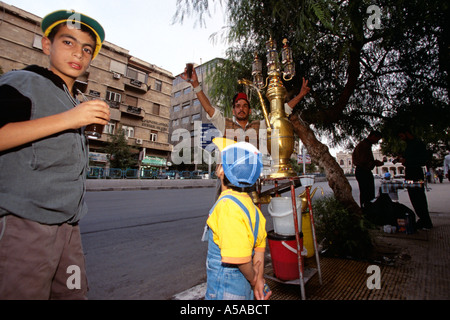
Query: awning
{"x": 154, "y": 161}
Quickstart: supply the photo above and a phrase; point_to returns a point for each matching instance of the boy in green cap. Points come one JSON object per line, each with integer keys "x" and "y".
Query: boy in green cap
{"x": 44, "y": 156}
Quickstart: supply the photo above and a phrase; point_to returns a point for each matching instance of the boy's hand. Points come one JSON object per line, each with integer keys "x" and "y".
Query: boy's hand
{"x": 258, "y": 290}
{"x": 89, "y": 112}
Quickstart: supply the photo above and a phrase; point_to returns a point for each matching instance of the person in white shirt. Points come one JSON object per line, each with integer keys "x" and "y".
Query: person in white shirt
{"x": 447, "y": 166}
{"x": 241, "y": 109}
{"x": 239, "y": 128}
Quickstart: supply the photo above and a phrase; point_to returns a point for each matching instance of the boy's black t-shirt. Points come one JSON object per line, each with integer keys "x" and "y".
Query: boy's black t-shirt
{"x": 14, "y": 107}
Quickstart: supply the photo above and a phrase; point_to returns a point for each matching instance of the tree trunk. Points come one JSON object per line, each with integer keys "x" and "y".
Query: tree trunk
{"x": 335, "y": 175}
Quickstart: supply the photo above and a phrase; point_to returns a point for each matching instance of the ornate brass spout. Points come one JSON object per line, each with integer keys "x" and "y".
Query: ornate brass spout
{"x": 302, "y": 196}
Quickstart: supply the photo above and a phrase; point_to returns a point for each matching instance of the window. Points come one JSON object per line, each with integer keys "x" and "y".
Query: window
{"x": 177, "y": 94}
{"x": 158, "y": 85}
{"x": 118, "y": 67}
{"x": 131, "y": 101}
{"x": 113, "y": 96}
{"x": 196, "y": 102}
{"x": 175, "y": 123}
{"x": 196, "y": 117}
{"x": 154, "y": 136}
{"x": 187, "y": 90}
{"x": 156, "y": 108}
{"x": 176, "y": 108}
{"x": 185, "y": 120}
{"x": 186, "y": 105}
{"x": 37, "y": 42}
{"x": 137, "y": 75}
{"x": 110, "y": 128}
{"x": 128, "y": 131}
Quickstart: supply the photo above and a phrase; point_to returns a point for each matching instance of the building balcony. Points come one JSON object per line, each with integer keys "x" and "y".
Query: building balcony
{"x": 136, "y": 85}
{"x": 134, "y": 111}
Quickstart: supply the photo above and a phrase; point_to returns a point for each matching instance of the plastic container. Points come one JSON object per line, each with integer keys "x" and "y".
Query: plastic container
{"x": 308, "y": 241}
{"x": 283, "y": 252}
{"x": 307, "y": 180}
{"x": 280, "y": 208}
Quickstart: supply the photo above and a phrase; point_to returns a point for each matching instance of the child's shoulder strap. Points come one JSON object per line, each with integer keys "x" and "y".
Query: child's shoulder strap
{"x": 244, "y": 208}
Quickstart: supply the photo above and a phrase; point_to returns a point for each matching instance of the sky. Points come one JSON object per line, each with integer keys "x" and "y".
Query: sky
{"x": 144, "y": 27}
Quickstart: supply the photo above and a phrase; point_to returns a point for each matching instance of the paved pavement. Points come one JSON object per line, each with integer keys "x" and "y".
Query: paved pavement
{"x": 412, "y": 267}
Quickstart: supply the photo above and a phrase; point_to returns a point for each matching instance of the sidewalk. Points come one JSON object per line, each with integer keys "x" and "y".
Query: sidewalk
{"x": 413, "y": 267}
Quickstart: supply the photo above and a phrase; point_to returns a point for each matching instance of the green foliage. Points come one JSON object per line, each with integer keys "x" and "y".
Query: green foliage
{"x": 119, "y": 152}
{"x": 341, "y": 233}
{"x": 359, "y": 77}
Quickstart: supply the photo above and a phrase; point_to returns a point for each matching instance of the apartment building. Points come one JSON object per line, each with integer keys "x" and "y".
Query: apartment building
{"x": 138, "y": 92}
{"x": 188, "y": 115}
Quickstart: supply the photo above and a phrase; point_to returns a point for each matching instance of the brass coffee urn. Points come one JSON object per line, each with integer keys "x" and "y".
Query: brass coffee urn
{"x": 280, "y": 133}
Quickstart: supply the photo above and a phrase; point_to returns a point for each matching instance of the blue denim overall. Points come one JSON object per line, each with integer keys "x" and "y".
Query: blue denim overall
{"x": 226, "y": 281}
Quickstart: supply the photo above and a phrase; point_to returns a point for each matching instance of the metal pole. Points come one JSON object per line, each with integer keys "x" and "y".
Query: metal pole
{"x": 209, "y": 165}
{"x": 313, "y": 229}
{"x": 298, "y": 232}
{"x": 304, "y": 159}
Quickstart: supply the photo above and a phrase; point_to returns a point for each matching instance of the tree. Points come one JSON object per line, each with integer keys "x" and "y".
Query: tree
{"x": 365, "y": 64}
{"x": 119, "y": 153}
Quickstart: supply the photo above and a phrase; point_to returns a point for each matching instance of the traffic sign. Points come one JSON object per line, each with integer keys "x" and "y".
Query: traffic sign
{"x": 307, "y": 158}
{"x": 209, "y": 132}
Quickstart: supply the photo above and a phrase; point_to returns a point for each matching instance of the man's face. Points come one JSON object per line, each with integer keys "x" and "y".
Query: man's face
{"x": 70, "y": 52}
{"x": 241, "y": 110}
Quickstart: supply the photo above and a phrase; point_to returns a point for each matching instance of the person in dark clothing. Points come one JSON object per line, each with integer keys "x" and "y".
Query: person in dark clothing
{"x": 364, "y": 161}
{"x": 414, "y": 159}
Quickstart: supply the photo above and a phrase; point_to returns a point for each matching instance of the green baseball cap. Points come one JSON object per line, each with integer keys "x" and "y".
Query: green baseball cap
{"x": 74, "y": 19}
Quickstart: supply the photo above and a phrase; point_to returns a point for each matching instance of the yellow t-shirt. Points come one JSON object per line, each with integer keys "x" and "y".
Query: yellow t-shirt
{"x": 232, "y": 231}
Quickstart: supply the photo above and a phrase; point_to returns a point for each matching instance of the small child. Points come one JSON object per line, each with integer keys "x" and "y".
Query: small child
{"x": 237, "y": 235}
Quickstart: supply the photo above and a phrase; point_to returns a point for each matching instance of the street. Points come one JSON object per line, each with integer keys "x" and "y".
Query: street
{"x": 144, "y": 244}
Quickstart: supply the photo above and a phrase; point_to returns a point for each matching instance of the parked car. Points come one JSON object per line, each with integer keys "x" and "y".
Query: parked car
{"x": 172, "y": 174}
{"x": 185, "y": 175}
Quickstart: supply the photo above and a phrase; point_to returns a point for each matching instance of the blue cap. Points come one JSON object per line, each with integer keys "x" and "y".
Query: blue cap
{"x": 241, "y": 162}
